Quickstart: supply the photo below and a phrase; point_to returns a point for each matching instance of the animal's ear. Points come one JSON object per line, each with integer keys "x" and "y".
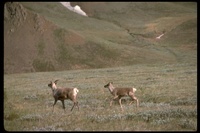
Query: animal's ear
{"x": 56, "y": 81}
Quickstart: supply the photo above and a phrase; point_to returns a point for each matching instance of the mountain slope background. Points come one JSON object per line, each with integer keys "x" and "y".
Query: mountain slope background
{"x": 46, "y": 36}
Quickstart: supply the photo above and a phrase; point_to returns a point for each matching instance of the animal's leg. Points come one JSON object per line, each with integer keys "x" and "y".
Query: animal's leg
{"x": 137, "y": 101}
{"x": 113, "y": 99}
{"x": 73, "y": 106}
{"x": 134, "y": 98}
{"x": 63, "y": 103}
{"x": 120, "y": 103}
{"x": 54, "y": 103}
{"x": 77, "y": 105}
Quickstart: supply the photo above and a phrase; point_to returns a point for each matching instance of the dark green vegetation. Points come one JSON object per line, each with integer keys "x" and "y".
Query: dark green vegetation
{"x": 117, "y": 42}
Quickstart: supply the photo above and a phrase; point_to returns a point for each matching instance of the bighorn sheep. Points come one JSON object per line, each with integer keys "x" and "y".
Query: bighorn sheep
{"x": 63, "y": 93}
{"x": 121, "y": 92}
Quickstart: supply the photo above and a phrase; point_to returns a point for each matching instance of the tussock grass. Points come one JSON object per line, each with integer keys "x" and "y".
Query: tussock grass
{"x": 167, "y": 94}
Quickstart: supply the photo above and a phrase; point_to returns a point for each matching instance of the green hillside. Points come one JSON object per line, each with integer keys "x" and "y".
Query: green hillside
{"x": 46, "y": 36}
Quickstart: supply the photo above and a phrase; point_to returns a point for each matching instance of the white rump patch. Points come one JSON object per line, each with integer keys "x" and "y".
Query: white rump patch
{"x": 134, "y": 89}
{"x": 75, "y": 91}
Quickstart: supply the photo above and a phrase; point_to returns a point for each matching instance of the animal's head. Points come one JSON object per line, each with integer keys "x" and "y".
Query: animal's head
{"x": 108, "y": 85}
{"x": 53, "y": 84}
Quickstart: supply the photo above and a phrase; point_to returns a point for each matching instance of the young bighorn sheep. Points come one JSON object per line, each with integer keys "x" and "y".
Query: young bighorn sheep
{"x": 63, "y": 93}
{"x": 121, "y": 92}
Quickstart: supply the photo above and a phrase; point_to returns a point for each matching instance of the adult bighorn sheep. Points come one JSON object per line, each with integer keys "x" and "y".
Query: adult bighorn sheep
{"x": 63, "y": 93}
{"x": 121, "y": 92}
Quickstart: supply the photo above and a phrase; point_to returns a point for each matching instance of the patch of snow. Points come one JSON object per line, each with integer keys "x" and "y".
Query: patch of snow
{"x": 159, "y": 36}
{"x": 78, "y": 10}
{"x": 75, "y": 9}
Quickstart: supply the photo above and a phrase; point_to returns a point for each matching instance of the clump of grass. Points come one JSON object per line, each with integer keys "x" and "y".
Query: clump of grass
{"x": 164, "y": 114}
{"x": 179, "y": 113}
{"x": 189, "y": 101}
{"x": 151, "y": 104}
{"x": 11, "y": 116}
{"x": 161, "y": 121}
{"x": 31, "y": 117}
{"x": 47, "y": 128}
{"x": 28, "y": 97}
{"x": 105, "y": 118}
{"x": 188, "y": 124}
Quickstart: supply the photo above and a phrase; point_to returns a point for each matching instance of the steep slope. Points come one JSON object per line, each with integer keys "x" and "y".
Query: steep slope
{"x": 45, "y": 36}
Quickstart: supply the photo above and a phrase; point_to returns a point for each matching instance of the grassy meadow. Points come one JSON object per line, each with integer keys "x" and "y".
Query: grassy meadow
{"x": 115, "y": 43}
{"x": 167, "y": 94}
